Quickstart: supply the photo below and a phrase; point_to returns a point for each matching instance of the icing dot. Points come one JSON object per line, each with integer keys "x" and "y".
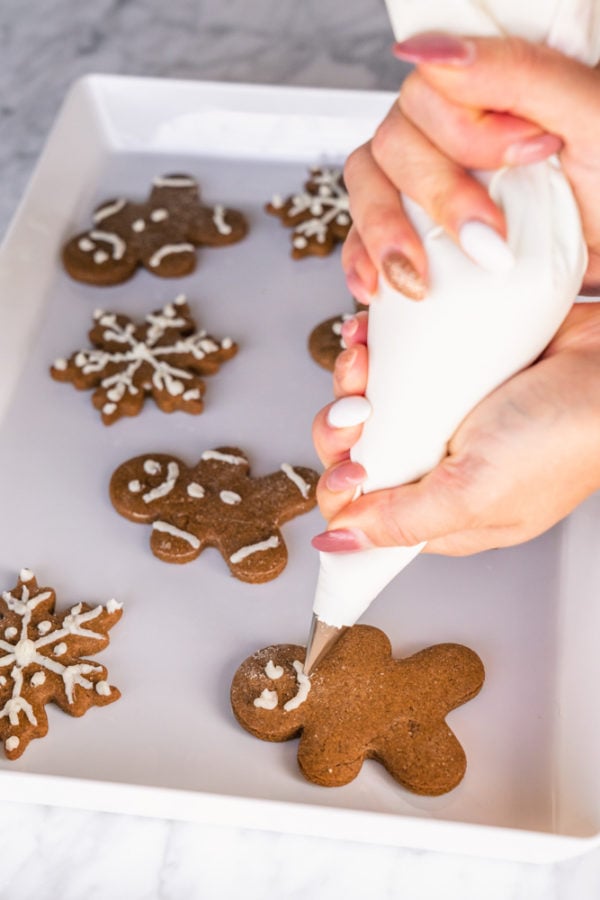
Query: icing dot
{"x": 113, "y": 605}
{"x": 175, "y": 388}
{"x": 300, "y": 243}
{"x": 226, "y": 343}
{"x": 86, "y": 245}
{"x": 109, "y": 408}
{"x": 267, "y": 700}
{"x": 11, "y": 632}
{"x": 59, "y": 649}
{"x": 193, "y": 394}
{"x": 100, "y": 256}
{"x": 134, "y": 486}
{"x": 159, "y": 215}
{"x": 102, "y": 688}
{"x": 80, "y": 360}
{"x": 44, "y": 627}
{"x": 277, "y": 201}
{"x": 12, "y": 743}
{"x": 151, "y": 466}
{"x": 273, "y": 671}
{"x": 343, "y": 219}
{"x": 180, "y": 300}
{"x": 195, "y": 490}
{"x": 60, "y": 364}
{"x": 37, "y": 679}
{"x": 230, "y": 498}
{"x": 25, "y": 575}
{"x": 138, "y": 225}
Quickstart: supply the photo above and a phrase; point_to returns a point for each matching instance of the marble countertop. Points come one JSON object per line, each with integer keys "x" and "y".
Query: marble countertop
{"x": 52, "y": 852}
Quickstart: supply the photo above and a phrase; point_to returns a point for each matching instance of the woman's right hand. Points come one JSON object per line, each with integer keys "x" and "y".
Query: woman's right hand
{"x": 471, "y": 103}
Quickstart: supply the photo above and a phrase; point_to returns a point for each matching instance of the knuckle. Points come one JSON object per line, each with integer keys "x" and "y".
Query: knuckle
{"x": 410, "y": 94}
{"x": 386, "y": 139}
{"x": 396, "y": 532}
{"x": 459, "y": 480}
{"x": 354, "y": 163}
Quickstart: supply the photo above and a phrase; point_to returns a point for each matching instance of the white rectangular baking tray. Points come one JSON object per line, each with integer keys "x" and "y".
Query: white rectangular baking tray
{"x": 170, "y": 746}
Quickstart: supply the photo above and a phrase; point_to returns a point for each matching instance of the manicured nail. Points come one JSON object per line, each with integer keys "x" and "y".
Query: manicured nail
{"x": 486, "y": 247}
{"x": 533, "y": 150}
{"x": 349, "y": 328}
{"x": 341, "y": 540}
{"x": 400, "y": 274}
{"x": 357, "y": 287}
{"x": 344, "y": 476}
{"x": 349, "y": 411}
{"x": 436, "y": 47}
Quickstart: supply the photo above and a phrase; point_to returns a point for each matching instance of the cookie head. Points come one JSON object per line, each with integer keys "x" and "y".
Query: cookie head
{"x": 141, "y": 487}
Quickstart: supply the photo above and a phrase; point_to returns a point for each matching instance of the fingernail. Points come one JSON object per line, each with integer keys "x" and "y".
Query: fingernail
{"x": 357, "y": 287}
{"x": 341, "y": 540}
{"x": 345, "y": 476}
{"x": 486, "y": 247}
{"x": 436, "y": 47}
{"x": 349, "y": 411}
{"x": 400, "y": 274}
{"x": 532, "y": 150}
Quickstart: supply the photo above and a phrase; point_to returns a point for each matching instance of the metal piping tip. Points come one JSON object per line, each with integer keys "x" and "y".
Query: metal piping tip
{"x": 321, "y": 639}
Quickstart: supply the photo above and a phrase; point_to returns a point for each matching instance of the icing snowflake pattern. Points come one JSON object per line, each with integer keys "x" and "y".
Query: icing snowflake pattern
{"x": 161, "y": 234}
{"x": 41, "y": 660}
{"x": 163, "y": 358}
{"x": 319, "y": 215}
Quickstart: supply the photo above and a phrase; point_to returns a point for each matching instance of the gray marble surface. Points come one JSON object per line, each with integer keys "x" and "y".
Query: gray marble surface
{"x": 52, "y": 852}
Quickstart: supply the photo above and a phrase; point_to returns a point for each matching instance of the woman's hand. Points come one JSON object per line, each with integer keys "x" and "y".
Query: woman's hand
{"x": 520, "y": 461}
{"x": 474, "y": 103}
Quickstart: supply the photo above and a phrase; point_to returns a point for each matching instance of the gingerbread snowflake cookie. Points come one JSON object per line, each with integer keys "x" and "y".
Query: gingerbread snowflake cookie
{"x": 214, "y": 504}
{"x": 359, "y": 703}
{"x": 319, "y": 215}
{"x": 41, "y": 660}
{"x": 162, "y": 358}
{"x": 161, "y": 234}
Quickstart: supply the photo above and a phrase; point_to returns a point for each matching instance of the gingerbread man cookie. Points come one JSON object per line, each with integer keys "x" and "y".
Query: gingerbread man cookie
{"x": 325, "y": 342}
{"x": 41, "y": 660}
{"x": 162, "y": 358}
{"x": 214, "y": 504}
{"x": 359, "y": 703}
{"x": 319, "y": 215}
{"x": 161, "y": 234}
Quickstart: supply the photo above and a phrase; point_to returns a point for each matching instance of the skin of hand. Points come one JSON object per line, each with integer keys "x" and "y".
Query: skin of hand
{"x": 518, "y": 463}
{"x": 471, "y": 103}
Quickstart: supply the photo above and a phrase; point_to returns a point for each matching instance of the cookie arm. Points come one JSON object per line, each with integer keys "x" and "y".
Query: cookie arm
{"x": 287, "y": 493}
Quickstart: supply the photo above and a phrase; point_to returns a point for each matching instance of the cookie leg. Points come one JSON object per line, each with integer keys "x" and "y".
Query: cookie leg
{"x": 426, "y": 759}
{"x": 256, "y": 559}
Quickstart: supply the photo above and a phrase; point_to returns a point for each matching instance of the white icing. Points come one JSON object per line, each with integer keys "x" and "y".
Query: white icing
{"x": 259, "y": 547}
{"x": 166, "y": 486}
{"x": 267, "y": 700}
{"x": 154, "y": 348}
{"x": 113, "y": 606}
{"x": 165, "y": 527}
{"x": 151, "y": 466}
{"x": 272, "y": 671}
{"x": 331, "y": 205}
{"x": 303, "y": 688}
{"x": 173, "y": 181}
{"x": 109, "y": 210}
{"x": 277, "y": 201}
{"x": 168, "y": 250}
{"x": 431, "y": 362}
{"x": 44, "y": 627}
{"x": 134, "y": 486}
{"x": 101, "y": 256}
{"x": 117, "y": 244}
{"x": 230, "y": 498}
{"x": 86, "y": 245}
{"x": 195, "y": 490}
{"x": 102, "y": 688}
{"x": 38, "y": 678}
{"x": 219, "y": 220}
{"x": 300, "y": 483}
{"x": 224, "y": 457}
{"x": 12, "y": 743}
{"x": 60, "y": 649}
{"x": 26, "y": 575}
{"x": 60, "y": 364}
{"x": 10, "y": 632}
{"x": 138, "y": 226}
{"x": 226, "y": 343}
{"x": 159, "y": 215}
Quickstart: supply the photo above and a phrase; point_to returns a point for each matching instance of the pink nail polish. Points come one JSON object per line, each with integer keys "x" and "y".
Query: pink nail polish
{"x": 533, "y": 150}
{"x": 345, "y": 476}
{"x": 349, "y": 328}
{"x": 436, "y": 47}
{"x": 341, "y": 540}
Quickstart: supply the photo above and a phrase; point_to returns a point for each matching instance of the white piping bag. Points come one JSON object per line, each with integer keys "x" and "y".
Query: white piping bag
{"x": 432, "y": 361}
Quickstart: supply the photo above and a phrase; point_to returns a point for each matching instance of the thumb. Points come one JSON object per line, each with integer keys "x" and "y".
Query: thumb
{"x": 512, "y": 75}
{"x": 444, "y": 502}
